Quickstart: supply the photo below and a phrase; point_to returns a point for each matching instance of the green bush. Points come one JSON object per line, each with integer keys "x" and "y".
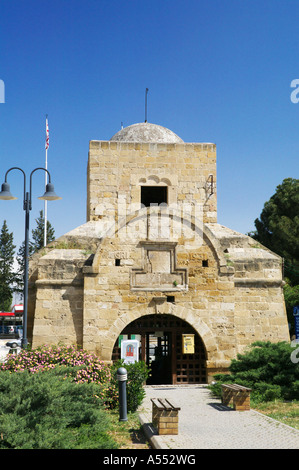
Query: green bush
{"x": 266, "y": 392}
{"x": 137, "y": 374}
{"x": 267, "y": 369}
{"x": 82, "y": 366}
{"x": 49, "y": 411}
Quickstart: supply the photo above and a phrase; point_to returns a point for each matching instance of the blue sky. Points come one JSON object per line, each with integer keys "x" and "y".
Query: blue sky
{"x": 217, "y": 71}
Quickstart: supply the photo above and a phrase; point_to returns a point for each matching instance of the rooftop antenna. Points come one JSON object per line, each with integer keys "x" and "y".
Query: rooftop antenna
{"x": 146, "y": 92}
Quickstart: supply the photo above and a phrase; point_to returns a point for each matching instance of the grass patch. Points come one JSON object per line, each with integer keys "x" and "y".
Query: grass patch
{"x": 285, "y": 412}
{"x": 127, "y": 434}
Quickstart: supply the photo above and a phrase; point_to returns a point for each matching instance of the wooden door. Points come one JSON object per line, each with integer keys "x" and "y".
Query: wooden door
{"x": 189, "y": 368}
{"x": 161, "y": 348}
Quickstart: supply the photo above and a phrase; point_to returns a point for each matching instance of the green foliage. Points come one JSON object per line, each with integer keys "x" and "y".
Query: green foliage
{"x": 38, "y": 233}
{"x": 278, "y": 229}
{"x": 49, "y": 411}
{"x": 20, "y": 260}
{"x": 291, "y": 294}
{"x": 7, "y": 276}
{"x": 278, "y": 226}
{"x": 267, "y": 392}
{"x": 33, "y": 246}
{"x": 267, "y": 369}
{"x": 137, "y": 374}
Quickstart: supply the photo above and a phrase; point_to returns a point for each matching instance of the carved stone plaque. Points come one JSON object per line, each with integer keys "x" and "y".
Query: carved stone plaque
{"x": 159, "y": 271}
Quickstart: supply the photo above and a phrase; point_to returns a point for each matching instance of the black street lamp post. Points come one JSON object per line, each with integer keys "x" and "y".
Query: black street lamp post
{"x": 49, "y": 195}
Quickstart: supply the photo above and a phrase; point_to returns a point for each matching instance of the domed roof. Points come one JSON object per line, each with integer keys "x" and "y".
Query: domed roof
{"x": 146, "y": 132}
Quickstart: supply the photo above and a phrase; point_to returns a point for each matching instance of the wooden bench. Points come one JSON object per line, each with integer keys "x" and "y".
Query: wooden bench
{"x": 165, "y": 416}
{"x": 236, "y": 394}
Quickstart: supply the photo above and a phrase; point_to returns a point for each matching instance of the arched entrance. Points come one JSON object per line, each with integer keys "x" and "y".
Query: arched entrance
{"x": 163, "y": 339}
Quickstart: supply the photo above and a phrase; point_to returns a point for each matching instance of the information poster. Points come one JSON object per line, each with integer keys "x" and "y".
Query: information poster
{"x": 188, "y": 344}
{"x": 130, "y": 351}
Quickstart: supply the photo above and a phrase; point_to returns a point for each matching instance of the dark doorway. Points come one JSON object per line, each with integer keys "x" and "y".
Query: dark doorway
{"x": 161, "y": 348}
{"x": 153, "y": 195}
{"x": 158, "y": 357}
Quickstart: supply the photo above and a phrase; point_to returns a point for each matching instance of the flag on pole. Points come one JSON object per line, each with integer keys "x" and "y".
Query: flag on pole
{"x": 46, "y": 180}
{"x": 47, "y": 135}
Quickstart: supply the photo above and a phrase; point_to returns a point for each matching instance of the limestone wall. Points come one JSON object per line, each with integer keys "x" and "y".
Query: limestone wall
{"x": 116, "y": 170}
{"x": 59, "y": 298}
{"x": 230, "y": 303}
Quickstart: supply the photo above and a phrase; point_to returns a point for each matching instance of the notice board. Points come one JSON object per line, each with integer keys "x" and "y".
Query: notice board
{"x": 187, "y": 344}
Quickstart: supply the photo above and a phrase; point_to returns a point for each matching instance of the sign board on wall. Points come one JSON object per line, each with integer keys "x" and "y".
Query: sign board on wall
{"x": 130, "y": 350}
{"x": 187, "y": 344}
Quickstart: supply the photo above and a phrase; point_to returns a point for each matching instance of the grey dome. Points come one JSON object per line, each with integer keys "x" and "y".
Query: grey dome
{"x": 146, "y": 132}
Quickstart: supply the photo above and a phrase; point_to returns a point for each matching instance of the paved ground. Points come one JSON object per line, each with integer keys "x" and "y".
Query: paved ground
{"x": 204, "y": 423}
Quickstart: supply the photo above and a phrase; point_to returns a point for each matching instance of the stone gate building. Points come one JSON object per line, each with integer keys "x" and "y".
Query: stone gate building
{"x": 152, "y": 263}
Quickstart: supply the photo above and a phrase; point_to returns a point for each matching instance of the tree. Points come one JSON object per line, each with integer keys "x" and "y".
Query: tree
{"x": 278, "y": 226}
{"x": 38, "y": 233}
{"x": 21, "y": 265}
{"x": 278, "y": 229}
{"x": 7, "y": 275}
{"x": 37, "y": 244}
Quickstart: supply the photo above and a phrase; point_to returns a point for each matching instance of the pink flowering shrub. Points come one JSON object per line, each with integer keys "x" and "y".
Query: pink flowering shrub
{"x": 80, "y": 365}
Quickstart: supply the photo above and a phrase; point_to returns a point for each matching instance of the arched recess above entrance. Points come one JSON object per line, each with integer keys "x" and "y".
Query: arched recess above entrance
{"x": 117, "y": 231}
{"x": 190, "y": 317}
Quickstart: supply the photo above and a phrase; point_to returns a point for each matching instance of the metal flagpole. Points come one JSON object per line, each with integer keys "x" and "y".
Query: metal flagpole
{"x": 46, "y": 181}
{"x": 146, "y": 92}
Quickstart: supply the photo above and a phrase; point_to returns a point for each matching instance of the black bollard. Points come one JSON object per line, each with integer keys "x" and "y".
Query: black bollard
{"x": 122, "y": 378}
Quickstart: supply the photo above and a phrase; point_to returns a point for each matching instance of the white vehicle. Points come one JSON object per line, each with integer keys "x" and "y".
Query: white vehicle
{"x": 14, "y": 343}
